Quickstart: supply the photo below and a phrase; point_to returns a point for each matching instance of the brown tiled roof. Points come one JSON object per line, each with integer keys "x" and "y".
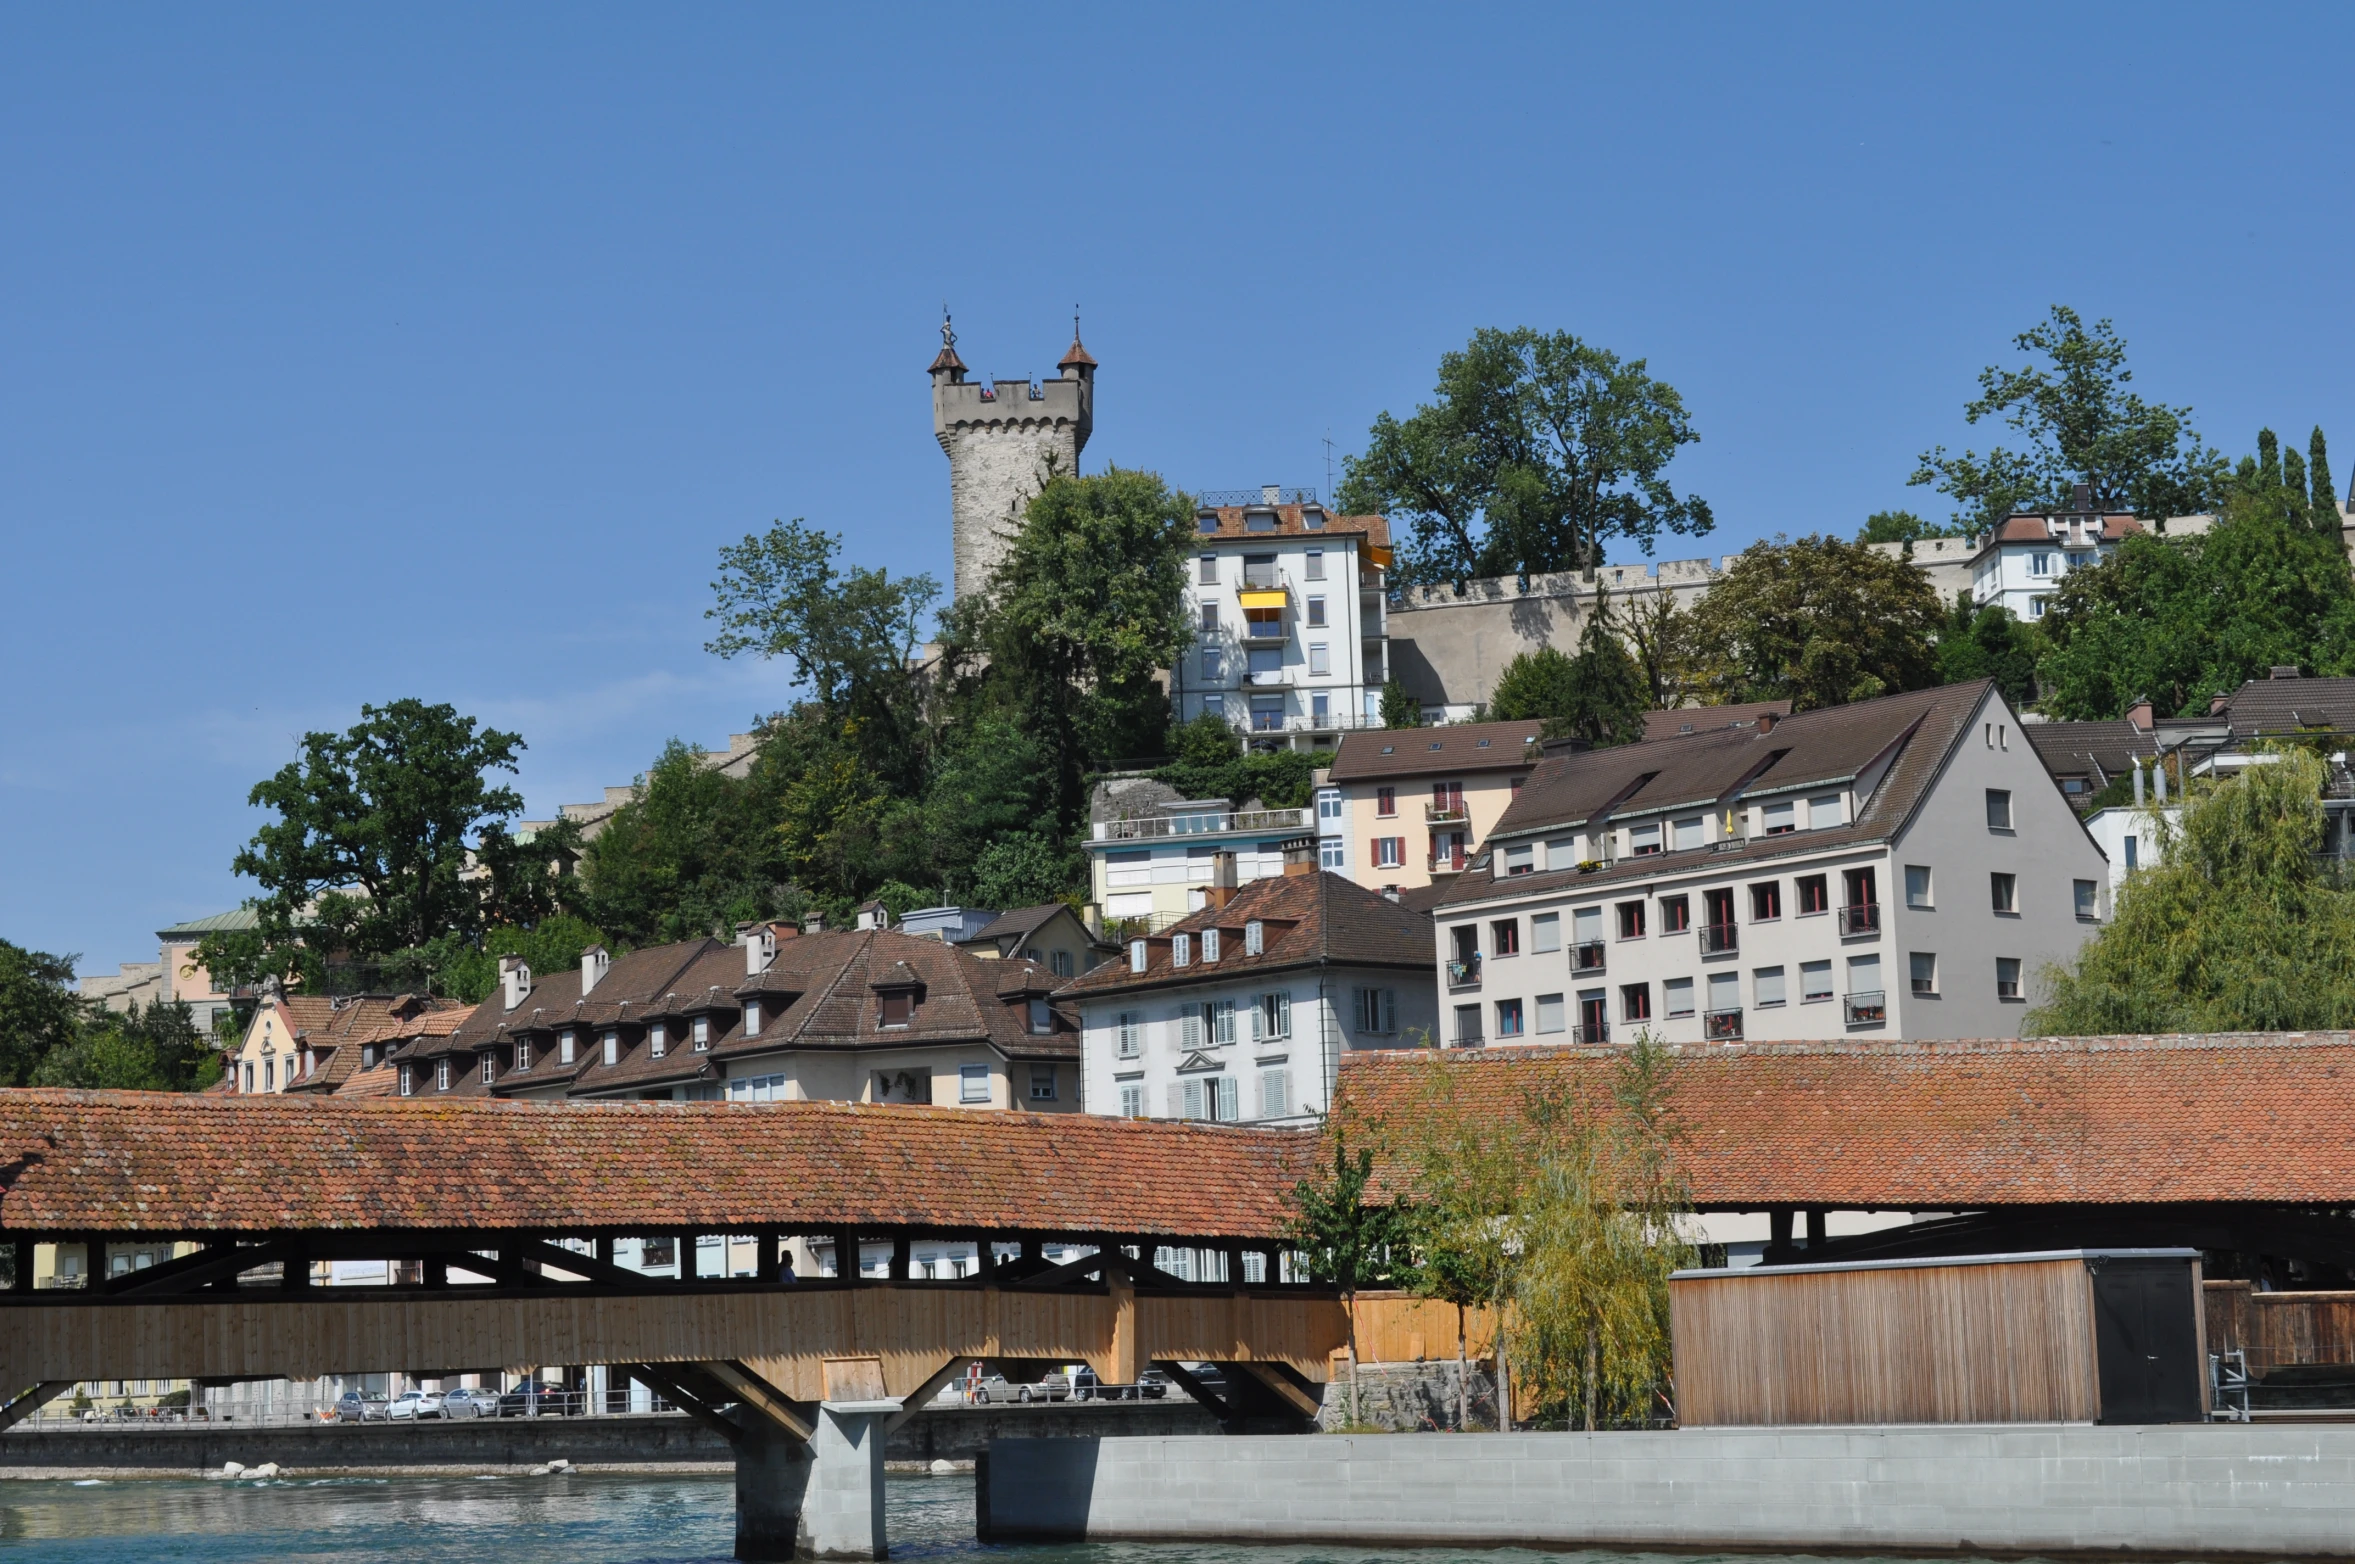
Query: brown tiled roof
{"x": 336, "y": 1031}
{"x": 1020, "y": 921}
{"x": 1374, "y": 529}
{"x": 1407, "y": 752}
{"x": 2281, "y": 706}
{"x": 1704, "y": 770}
{"x": 1309, "y": 919}
{"x": 1679, "y": 720}
{"x": 2032, "y": 529}
{"x": 1076, "y": 355}
{"x": 1956, "y": 1125}
{"x": 2077, "y": 748}
{"x": 159, "y": 1162}
{"x": 819, "y": 993}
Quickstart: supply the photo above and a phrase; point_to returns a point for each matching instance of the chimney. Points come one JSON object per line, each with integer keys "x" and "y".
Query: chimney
{"x": 1390, "y": 893}
{"x": 594, "y": 961}
{"x": 1271, "y": 494}
{"x": 2283, "y": 673}
{"x": 813, "y": 923}
{"x": 760, "y": 947}
{"x": 2217, "y": 703}
{"x": 515, "y": 981}
{"x": 2140, "y": 714}
{"x": 1222, "y": 871}
{"x": 1217, "y": 896}
{"x": 1766, "y": 722}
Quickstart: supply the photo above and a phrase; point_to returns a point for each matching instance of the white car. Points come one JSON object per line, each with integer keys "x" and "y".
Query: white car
{"x": 415, "y": 1404}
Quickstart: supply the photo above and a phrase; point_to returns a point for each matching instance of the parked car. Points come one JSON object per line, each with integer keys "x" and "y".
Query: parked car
{"x": 1085, "y": 1386}
{"x": 415, "y": 1405}
{"x": 1051, "y": 1387}
{"x": 534, "y": 1398}
{"x": 464, "y": 1402}
{"x": 354, "y": 1407}
{"x": 991, "y": 1389}
{"x": 1152, "y": 1385}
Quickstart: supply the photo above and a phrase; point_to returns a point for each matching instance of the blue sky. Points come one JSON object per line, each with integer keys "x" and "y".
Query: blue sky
{"x": 350, "y": 356}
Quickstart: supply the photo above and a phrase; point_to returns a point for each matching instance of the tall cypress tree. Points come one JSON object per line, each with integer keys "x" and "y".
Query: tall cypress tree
{"x": 2293, "y": 487}
{"x": 2268, "y": 459}
{"x": 2323, "y": 509}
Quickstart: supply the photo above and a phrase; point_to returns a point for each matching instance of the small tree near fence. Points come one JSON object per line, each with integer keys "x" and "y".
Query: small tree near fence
{"x": 1347, "y": 1241}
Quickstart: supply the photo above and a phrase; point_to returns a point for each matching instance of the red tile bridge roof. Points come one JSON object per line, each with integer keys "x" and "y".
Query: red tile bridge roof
{"x": 170, "y": 1164}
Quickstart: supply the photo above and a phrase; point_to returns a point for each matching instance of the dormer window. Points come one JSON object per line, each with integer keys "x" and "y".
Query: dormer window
{"x": 1254, "y": 938}
{"x": 1210, "y": 944}
{"x": 564, "y": 1046}
{"x": 1136, "y": 955}
{"x": 1312, "y": 517}
{"x": 523, "y": 1053}
{"x": 408, "y": 1082}
{"x": 367, "y": 1056}
{"x": 1259, "y": 521}
{"x": 1181, "y": 950}
{"x": 1042, "y": 1018}
{"x": 898, "y": 1008}
{"x": 310, "y": 1063}
{"x": 702, "y": 1026}
{"x": 658, "y": 1040}
{"x": 1207, "y": 522}
{"x": 612, "y": 1048}
{"x": 490, "y": 1067}
{"x": 752, "y": 1018}
{"x": 441, "y": 1074}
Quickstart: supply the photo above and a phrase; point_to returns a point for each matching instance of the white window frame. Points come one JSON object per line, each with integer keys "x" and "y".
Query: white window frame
{"x": 973, "y": 1083}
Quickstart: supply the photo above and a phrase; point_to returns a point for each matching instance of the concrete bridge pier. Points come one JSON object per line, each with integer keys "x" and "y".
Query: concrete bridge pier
{"x": 772, "y": 1484}
{"x": 842, "y": 1518}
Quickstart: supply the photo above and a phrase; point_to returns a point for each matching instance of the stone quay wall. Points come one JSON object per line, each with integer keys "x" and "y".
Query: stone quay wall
{"x": 2051, "y": 1489}
{"x": 647, "y": 1439}
{"x": 1408, "y": 1398}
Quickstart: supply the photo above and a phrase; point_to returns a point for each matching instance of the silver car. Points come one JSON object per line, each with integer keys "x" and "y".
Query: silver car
{"x": 464, "y": 1402}
{"x": 413, "y": 1405}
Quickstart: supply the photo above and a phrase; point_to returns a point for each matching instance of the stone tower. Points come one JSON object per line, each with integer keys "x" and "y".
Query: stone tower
{"x": 1002, "y": 440}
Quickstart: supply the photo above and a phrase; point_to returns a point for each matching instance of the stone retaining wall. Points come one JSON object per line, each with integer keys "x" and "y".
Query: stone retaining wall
{"x": 1406, "y": 1398}
{"x": 2180, "y": 1490}
{"x": 658, "y": 1439}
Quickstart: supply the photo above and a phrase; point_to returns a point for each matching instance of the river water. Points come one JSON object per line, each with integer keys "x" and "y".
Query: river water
{"x": 578, "y": 1519}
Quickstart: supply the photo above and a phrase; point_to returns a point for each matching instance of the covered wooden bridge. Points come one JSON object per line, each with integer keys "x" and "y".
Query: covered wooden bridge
{"x": 527, "y": 1199}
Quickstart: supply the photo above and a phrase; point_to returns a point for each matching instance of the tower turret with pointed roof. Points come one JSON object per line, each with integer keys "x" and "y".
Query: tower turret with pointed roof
{"x": 1003, "y": 438}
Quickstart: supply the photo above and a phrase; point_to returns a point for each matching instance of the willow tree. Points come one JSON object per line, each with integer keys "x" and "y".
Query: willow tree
{"x": 2238, "y": 928}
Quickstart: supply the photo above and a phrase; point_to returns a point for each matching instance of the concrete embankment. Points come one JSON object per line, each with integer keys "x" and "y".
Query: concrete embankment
{"x": 2179, "y": 1490}
{"x": 658, "y": 1441}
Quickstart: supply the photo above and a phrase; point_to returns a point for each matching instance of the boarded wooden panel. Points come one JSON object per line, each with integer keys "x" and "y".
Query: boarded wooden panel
{"x": 1926, "y": 1344}
{"x": 1402, "y": 1328}
{"x": 2281, "y": 1329}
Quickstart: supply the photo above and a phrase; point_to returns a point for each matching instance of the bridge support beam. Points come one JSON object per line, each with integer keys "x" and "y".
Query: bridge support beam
{"x": 842, "y": 1517}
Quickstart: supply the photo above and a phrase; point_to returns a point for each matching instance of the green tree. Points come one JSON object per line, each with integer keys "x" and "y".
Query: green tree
{"x": 1084, "y": 610}
{"x": 1903, "y": 526}
{"x": 40, "y": 1010}
{"x": 2236, "y": 930}
{"x": 2181, "y": 619}
{"x": 1600, "y": 695}
{"x": 695, "y": 850}
{"x": 1399, "y": 709}
{"x": 2322, "y": 501}
{"x": 554, "y": 944}
{"x": 1817, "y": 622}
{"x": 849, "y": 634}
{"x": 2082, "y": 425}
{"x": 389, "y": 837}
{"x": 156, "y": 1048}
{"x": 1660, "y": 636}
{"x": 1348, "y": 1239}
{"x": 1536, "y": 449}
{"x": 1988, "y": 643}
{"x": 1535, "y": 685}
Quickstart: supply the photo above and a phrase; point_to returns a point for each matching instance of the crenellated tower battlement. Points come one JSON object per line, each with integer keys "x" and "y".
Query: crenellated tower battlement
{"x": 1002, "y": 439}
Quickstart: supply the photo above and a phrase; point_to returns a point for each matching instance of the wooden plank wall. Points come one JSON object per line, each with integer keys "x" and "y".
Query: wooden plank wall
{"x": 2278, "y": 1329}
{"x": 1931, "y": 1344}
{"x": 1397, "y": 1327}
{"x": 788, "y": 1333}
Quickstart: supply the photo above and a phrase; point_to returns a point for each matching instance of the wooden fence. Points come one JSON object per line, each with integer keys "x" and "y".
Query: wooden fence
{"x": 2280, "y": 1329}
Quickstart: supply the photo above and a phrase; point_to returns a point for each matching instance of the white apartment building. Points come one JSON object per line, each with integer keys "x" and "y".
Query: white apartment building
{"x": 1287, "y": 601}
{"x": 1895, "y": 868}
{"x": 1243, "y": 1010}
{"x": 1154, "y": 858}
{"x": 2026, "y": 556}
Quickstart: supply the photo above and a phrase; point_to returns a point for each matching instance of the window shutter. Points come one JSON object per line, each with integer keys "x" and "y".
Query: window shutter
{"x": 1389, "y": 998}
{"x": 1177, "y": 1100}
{"x": 1189, "y": 1026}
{"x": 1228, "y": 1110}
{"x": 1193, "y": 1100}
{"x": 1280, "y": 1015}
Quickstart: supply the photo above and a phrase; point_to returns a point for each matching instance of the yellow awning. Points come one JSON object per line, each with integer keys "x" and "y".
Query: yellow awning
{"x": 1382, "y": 556}
{"x": 1263, "y": 597}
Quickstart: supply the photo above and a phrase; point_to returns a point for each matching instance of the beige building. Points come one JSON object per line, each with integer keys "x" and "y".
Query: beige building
{"x": 301, "y": 1042}
{"x": 1403, "y": 808}
{"x": 174, "y": 976}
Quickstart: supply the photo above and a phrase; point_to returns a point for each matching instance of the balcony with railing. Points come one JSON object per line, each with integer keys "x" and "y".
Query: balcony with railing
{"x": 1463, "y": 971}
{"x": 1452, "y": 812}
{"x": 1722, "y": 1026}
{"x": 1869, "y": 1008}
{"x": 1204, "y": 823}
{"x": 1720, "y": 939}
{"x": 1586, "y": 957}
{"x": 1862, "y": 917}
